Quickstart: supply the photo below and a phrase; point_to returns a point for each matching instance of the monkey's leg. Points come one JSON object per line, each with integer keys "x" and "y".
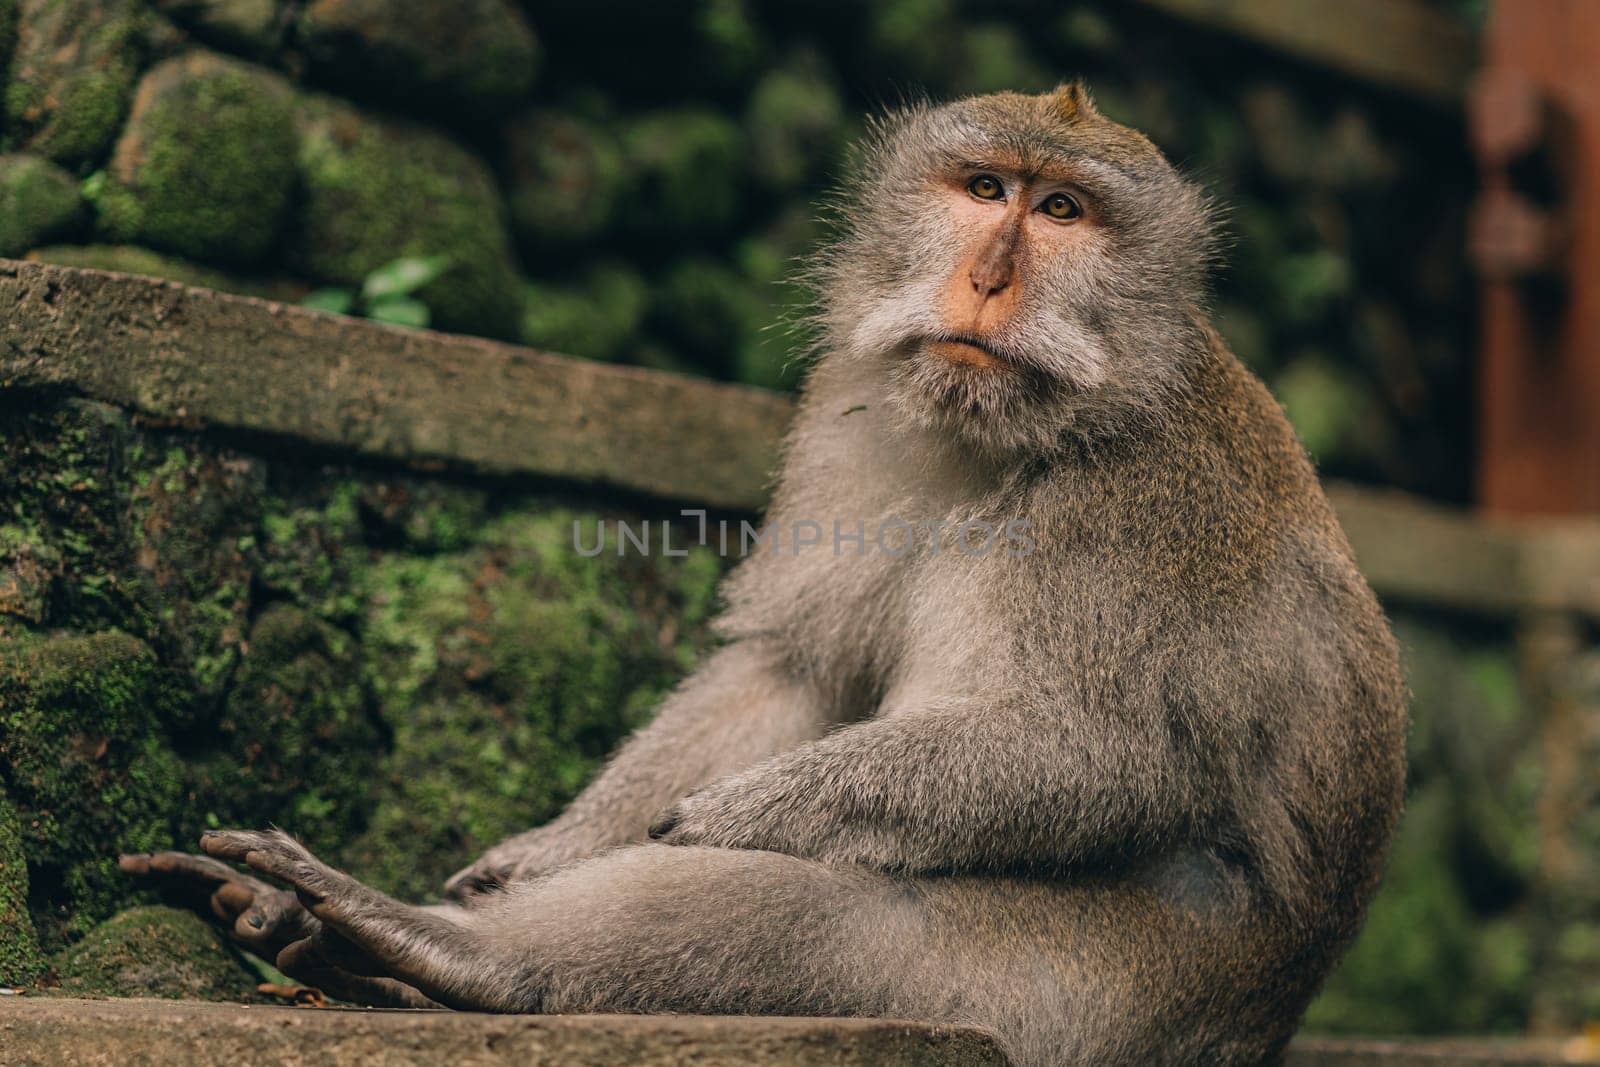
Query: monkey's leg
{"x": 442, "y": 957}
{"x": 739, "y": 708}
{"x": 693, "y": 930}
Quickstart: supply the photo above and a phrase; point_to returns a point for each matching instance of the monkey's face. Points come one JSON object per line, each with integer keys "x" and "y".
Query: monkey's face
{"x": 1019, "y": 265}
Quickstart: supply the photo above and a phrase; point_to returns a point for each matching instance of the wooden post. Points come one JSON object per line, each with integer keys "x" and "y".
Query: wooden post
{"x": 1536, "y": 242}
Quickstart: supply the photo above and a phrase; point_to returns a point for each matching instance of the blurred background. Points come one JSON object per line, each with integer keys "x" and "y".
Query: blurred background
{"x": 633, "y": 182}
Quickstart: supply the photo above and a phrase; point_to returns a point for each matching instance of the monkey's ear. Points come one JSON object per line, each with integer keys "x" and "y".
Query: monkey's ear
{"x": 1073, "y": 100}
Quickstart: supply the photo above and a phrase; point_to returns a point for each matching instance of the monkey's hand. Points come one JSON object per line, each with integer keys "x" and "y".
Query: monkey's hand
{"x": 266, "y": 920}
{"x": 261, "y": 917}
{"x": 490, "y": 871}
{"x": 789, "y": 804}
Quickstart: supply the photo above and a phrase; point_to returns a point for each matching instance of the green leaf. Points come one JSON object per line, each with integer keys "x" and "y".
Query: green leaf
{"x": 338, "y": 301}
{"x": 93, "y": 186}
{"x": 402, "y": 277}
{"x": 399, "y": 311}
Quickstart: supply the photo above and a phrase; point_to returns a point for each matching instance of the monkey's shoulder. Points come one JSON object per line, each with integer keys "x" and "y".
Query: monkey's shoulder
{"x": 1216, "y": 506}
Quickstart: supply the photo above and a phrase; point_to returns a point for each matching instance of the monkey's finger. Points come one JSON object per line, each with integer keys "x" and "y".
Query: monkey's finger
{"x": 272, "y": 921}
{"x": 471, "y": 882}
{"x": 176, "y": 866}
{"x": 302, "y": 962}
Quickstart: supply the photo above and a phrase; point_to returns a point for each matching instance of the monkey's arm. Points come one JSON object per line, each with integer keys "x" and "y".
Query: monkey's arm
{"x": 958, "y": 788}
{"x": 740, "y": 707}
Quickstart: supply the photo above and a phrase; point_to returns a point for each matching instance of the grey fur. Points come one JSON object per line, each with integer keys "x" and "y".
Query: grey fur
{"x": 1122, "y": 799}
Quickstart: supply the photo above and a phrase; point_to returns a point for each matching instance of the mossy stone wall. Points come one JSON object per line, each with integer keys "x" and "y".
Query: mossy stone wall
{"x": 632, "y": 182}
{"x": 403, "y": 670}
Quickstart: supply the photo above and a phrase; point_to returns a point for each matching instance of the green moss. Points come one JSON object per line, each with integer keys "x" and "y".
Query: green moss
{"x": 564, "y": 175}
{"x": 206, "y": 164}
{"x": 708, "y": 311}
{"x": 189, "y": 510}
{"x": 795, "y": 125}
{"x": 472, "y": 54}
{"x": 86, "y": 767}
{"x": 1425, "y": 963}
{"x": 38, "y": 202}
{"x": 685, "y": 171}
{"x": 8, "y": 44}
{"x": 155, "y": 952}
{"x": 295, "y": 744}
{"x": 507, "y": 673}
{"x": 375, "y": 190}
{"x": 598, "y": 318}
{"x": 20, "y": 962}
{"x": 72, "y": 76}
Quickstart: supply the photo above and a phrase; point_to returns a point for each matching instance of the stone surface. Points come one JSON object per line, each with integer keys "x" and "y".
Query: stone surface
{"x": 1441, "y": 1052}
{"x": 40, "y": 1031}
{"x": 205, "y": 165}
{"x": 72, "y": 76}
{"x": 135, "y": 1033}
{"x": 154, "y": 952}
{"x": 563, "y": 177}
{"x": 462, "y": 59}
{"x": 374, "y": 190}
{"x": 39, "y": 202}
{"x": 405, "y": 395}
{"x": 134, "y": 259}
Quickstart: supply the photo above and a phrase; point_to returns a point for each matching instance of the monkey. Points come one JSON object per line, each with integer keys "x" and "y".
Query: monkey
{"x": 1118, "y": 792}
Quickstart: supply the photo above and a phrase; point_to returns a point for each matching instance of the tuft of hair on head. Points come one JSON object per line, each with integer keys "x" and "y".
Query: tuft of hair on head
{"x": 1072, "y": 99}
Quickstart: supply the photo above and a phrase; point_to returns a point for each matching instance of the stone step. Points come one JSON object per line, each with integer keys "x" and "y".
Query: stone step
{"x": 51, "y": 1032}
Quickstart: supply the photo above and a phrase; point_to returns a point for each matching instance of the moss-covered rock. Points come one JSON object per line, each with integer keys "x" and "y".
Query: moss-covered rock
{"x": 597, "y": 318}
{"x": 253, "y": 27}
{"x": 563, "y": 174}
{"x": 20, "y": 962}
{"x": 72, "y": 76}
{"x": 86, "y": 766}
{"x": 205, "y": 165}
{"x": 155, "y": 952}
{"x": 132, "y": 259}
{"x": 296, "y": 743}
{"x": 708, "y": 311}
{"x": 461, "y": 59}
{"x": 375, "y": 190}
{"x": 8, "y": 44}
{"x": 38, "y": 202}
{"x": 795, "y": 124}
{"x": 685, "y": 170}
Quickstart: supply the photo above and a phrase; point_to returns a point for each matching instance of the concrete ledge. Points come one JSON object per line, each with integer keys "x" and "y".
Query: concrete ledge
{"x": 1440, "y": 1052}
{"x": 47, "y": 1032}
{"x": 410, "y": 396}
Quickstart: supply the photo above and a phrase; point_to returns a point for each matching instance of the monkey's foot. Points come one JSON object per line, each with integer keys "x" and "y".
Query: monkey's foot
{"x": 366, "y": 934}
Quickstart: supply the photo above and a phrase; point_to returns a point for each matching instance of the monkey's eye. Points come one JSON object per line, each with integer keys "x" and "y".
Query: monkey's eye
{"x": 1061, "y": 206}
{"x": 986, "y": 187}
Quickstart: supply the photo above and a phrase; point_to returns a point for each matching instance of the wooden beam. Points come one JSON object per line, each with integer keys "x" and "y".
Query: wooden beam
{"x": 1403, "y": 44}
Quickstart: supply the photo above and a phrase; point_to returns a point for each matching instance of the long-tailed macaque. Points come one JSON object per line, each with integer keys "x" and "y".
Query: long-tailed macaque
{"x": 1118, "y": 790}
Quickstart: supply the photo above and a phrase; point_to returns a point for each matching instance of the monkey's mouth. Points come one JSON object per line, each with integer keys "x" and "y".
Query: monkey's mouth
{"x": 966, "y": 350}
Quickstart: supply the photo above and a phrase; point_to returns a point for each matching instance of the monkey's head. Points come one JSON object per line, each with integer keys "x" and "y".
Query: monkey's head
{"x": 1022, "y": 268}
